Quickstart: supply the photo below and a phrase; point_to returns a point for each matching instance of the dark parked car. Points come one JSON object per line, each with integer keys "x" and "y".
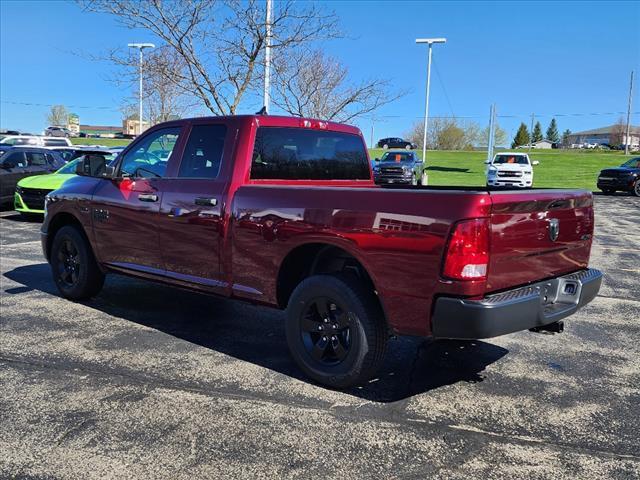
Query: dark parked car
{"x": 20, "y": 162}
{"x": 398, "y": 167}
{"x": 395, "y": 142}
{"x": 624, "y": 178}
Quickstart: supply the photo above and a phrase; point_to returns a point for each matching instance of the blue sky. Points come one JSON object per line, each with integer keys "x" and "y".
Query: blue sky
{"x": 568, "y": 59}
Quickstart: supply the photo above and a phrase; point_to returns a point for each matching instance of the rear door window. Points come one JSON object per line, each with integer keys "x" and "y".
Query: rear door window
{"x": 305, "y": 154}
{"x": 203, "y": 154}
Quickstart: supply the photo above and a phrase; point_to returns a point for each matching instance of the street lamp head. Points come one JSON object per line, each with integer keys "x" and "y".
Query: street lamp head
{"x": 141, "y": 45}
{"x": 431, "y": 40}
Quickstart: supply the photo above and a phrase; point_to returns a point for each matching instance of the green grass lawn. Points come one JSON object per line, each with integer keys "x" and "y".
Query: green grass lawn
{"x": 107, "y": 142}
{"x": 558, "y": 168}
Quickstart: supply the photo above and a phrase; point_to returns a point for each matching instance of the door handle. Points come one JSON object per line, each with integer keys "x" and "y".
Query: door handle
{"x": 148, "y": 197}
{"x": 206, "y": 201}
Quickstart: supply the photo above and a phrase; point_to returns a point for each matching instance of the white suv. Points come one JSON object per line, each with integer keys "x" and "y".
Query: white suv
{"x": 35, "y": 141}
{"x": 510, "y": 170}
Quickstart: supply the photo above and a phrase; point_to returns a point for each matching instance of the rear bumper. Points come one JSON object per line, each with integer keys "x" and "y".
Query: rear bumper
{"x": 527, "y": 307}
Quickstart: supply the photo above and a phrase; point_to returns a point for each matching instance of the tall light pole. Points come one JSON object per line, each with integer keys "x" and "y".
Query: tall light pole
{"x": 267, "y": 58}
{"x": 628, "y": 139}
{"x": 430, "y": 42}
{"x": 140, "y": 46}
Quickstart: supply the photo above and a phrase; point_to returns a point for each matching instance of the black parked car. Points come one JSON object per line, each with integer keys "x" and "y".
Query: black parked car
{"x": 20, "y": 162}
{"x": 395, "y": 142}
{"x": 626, "y": 178}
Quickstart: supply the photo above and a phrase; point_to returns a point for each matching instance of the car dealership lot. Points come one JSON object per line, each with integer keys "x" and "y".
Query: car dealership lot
{"x": 147, "y": 381}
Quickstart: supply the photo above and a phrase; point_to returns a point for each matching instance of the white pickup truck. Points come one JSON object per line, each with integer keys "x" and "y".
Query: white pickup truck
{"x": 510, "y": 170}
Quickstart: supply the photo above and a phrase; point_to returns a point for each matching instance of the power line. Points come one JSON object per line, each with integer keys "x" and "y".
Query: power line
{"x": 52, "y": 105}
{"x": 446, "y": 95}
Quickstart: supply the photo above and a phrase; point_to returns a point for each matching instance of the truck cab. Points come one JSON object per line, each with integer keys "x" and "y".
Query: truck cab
{"x": 510, "y": 170}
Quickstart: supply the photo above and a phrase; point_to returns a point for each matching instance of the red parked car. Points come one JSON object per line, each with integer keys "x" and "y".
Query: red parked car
{"x": 284, "y": 212}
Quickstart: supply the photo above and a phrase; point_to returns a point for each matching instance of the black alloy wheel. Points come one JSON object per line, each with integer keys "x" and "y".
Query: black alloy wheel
{"x": 73, "y": 265}
{"x": 69, "y": 264}
{"x": 336, "y": 331}
{"x": 326, "y": 332}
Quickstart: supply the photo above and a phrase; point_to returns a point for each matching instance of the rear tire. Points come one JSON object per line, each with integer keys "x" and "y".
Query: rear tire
{"x": 636, "y": 188}
{"x": 407, "y": 147}
{"x": 385, "y": 147}
{"x": 73, "y": 265}
{"x": 335, "y": 330}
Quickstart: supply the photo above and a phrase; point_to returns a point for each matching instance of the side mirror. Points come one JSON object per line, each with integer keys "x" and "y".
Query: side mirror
{"x": 92, "y": 166}
{"x": 535, "y": 162}
{"x": 376, "y": 159}
{"x": 487, "y": 162}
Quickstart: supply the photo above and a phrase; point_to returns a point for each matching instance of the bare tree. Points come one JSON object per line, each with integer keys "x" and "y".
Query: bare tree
{"x": 618, "y": 132}
{"x": 445, "y": 134}
{"x": 499, "y": 136}
{"x": 58, "y": 116}
{"x": 220, "y": 44}
{"x": 309, "y": 83}
{"x": 164, "y": 98}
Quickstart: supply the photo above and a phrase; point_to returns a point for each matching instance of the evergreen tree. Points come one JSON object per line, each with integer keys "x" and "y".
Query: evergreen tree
{"x": 522, "y": 136}
{"x": 552, "y": 132}
{"x": 536, "y": 136}
{"x": 565, "y": 137}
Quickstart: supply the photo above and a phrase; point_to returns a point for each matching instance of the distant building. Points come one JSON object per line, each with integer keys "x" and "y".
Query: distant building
{"x": 131, "y": 125}
{"x": 100, "y": 130}
{"x": 610, "y": 135}
{"x": 542, "y": 144}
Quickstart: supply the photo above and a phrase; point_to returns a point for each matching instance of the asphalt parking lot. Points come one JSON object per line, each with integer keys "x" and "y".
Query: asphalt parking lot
{"x": 149, "y": 382}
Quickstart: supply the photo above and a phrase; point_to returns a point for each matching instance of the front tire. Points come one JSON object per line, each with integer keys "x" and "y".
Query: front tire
{"x": 385, "y": 147}
{"x": 407, "y": 147}
{"x": 335, "y": 330}
{"x": 73, "y": 265}
{"x": 636, "y": 188}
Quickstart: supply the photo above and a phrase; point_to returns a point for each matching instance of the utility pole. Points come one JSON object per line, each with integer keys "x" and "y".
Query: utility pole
{"x": 492, "y": 134}
{"x": 267, "y": 59}
{"x": 627, "y": 140}
{"x": 140, "y": 46}
{"x": 533, "y": 116}
{"x": 430, "y": 42}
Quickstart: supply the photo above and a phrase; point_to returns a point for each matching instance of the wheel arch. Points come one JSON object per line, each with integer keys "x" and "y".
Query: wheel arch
{"x": 60, "y": 220}
{"x": 314, "y": 258}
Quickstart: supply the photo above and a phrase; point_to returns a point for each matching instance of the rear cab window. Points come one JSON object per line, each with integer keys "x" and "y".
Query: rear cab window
{"x": 285, "y": 153}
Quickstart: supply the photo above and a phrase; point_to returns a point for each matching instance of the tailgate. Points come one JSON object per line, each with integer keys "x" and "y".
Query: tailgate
{"x": 537, "y": 235}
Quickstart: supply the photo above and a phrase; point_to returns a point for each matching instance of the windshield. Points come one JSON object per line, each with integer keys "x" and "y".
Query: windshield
{"x": 633, "y": 163}
{"x": 398, "y": 157}
{"x": 70, "y": 168}
{"x": 511, "y": 159}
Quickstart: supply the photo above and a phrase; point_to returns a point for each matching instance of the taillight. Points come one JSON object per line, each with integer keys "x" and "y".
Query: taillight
{"x": 467, "y": 255}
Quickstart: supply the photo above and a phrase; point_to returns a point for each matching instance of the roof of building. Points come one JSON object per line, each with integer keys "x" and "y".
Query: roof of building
{"x": 102, "y": 128}
{"x": 544, "y": 140}
{"x": 635, "y": 130}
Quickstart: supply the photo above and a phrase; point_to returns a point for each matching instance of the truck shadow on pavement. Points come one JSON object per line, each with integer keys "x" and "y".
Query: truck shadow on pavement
{"x": 413, "y": 366}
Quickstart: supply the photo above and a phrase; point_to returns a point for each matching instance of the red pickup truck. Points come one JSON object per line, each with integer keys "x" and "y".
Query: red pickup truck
{"x": 284, "y": 212}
